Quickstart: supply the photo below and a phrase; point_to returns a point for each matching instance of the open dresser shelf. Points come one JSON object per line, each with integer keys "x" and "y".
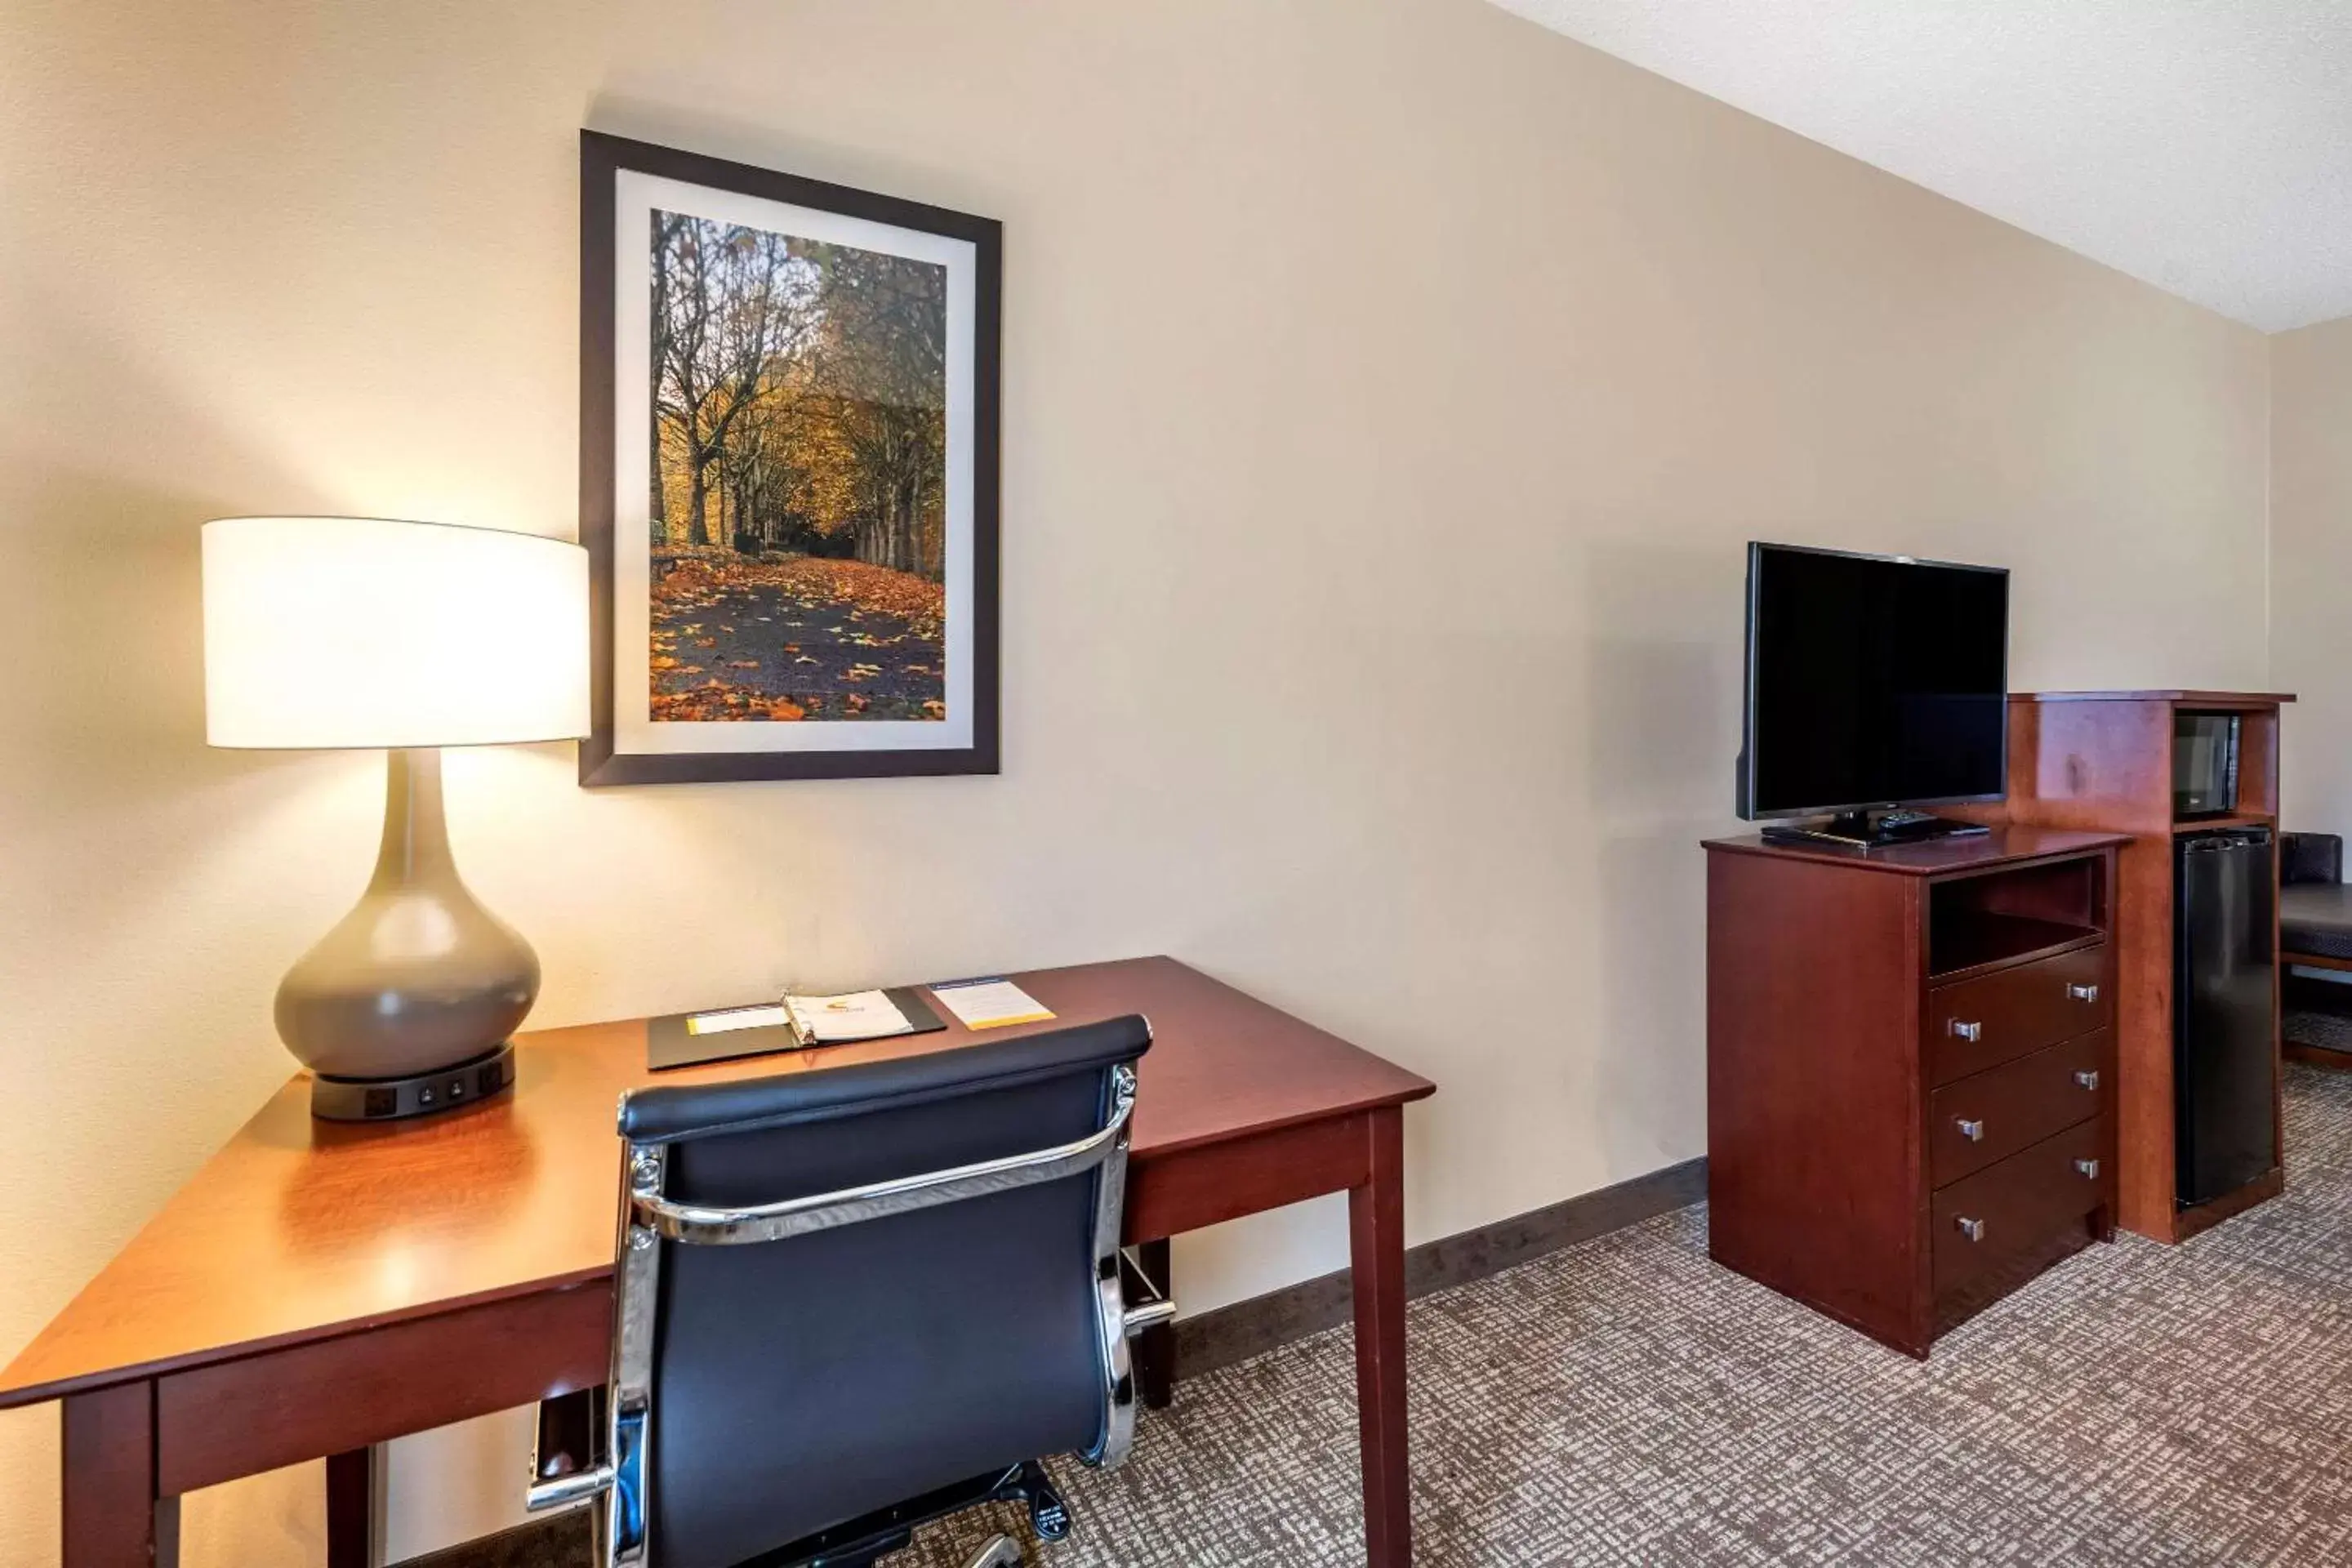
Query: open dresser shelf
{"x": 2001, "y": 941}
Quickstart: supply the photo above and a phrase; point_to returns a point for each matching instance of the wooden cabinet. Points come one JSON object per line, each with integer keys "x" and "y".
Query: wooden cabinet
{"x": 2105, "y": 760}
{"x": 1910, "y": 1069}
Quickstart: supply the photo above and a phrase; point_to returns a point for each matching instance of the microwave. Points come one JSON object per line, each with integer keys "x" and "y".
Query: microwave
{"x": 2204, "y": 764}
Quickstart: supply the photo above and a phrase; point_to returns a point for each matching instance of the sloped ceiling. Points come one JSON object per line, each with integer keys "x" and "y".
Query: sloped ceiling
{"x": 2204, "y": 146}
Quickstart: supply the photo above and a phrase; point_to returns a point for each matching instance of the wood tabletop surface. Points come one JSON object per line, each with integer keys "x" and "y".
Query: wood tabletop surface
{"x": 301, "y": 1229}
{"x": 2004, "y": 846}
{"x": 2172, "y": 694}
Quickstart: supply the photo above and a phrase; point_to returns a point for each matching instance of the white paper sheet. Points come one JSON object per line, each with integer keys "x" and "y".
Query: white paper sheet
{"x": 734, "y": 1018}
{"x": 990, "y": 1004}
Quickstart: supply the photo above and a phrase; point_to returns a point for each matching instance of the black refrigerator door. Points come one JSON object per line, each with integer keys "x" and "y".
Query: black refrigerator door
{"x": 2224, "y": 989}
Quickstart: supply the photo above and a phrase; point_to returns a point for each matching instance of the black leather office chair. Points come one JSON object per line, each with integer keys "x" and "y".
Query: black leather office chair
{"x": 851, "y": 1300}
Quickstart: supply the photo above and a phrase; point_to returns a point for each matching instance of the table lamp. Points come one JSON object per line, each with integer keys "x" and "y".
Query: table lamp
{"x": 337, "y": 631}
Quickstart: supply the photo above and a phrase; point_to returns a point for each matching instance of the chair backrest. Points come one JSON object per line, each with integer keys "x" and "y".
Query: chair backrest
{"x": 783, "y": 1363}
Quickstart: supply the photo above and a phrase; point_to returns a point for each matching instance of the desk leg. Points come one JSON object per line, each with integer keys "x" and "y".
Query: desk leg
{"x": 112, "y": 1517}
{"x": 1155, "y": 1348}
{"x": 350, "y": 1508}
{"x": 1376, "y": 1254}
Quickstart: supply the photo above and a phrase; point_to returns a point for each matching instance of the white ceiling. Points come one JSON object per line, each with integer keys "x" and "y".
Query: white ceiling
{"x": 2202, "y": 145}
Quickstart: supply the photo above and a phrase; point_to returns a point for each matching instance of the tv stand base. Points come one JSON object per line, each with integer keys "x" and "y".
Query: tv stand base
{"x": 1863, "y": 830}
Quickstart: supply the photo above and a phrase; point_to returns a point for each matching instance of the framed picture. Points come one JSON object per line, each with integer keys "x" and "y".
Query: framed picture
{"x": 788, "y": 474}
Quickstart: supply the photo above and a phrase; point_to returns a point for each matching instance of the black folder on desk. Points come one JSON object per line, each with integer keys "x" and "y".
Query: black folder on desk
{"x": 671, "y": 1044}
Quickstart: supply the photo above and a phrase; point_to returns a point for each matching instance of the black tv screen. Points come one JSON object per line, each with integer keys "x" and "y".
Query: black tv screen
{"x": 1872, "y": 680}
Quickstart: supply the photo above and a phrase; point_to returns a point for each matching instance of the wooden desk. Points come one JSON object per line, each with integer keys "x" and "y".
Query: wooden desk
{"x": 320, "y": 1287}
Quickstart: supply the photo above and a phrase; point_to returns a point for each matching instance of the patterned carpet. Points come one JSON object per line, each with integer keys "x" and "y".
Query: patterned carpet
{"x": 1627, "y": 1402}
{"x": 2317, "y": 1014}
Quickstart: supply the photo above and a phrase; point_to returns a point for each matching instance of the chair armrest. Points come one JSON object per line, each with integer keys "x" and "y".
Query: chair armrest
{"x": 563, "y": 1491}
{"x": 1149, "y": 1315}
{"x": 1147, "y": 1302}
{"x": 567, "y": 1452}
{"x": 1128, "y": 1303}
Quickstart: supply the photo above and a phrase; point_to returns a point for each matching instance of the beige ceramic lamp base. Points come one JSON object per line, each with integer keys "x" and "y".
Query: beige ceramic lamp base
{"x": 404, "y": 1007}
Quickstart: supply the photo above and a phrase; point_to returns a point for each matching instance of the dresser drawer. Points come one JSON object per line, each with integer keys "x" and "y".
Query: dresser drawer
{"x": 1996, "y": 1018}
{"x": 1990, "y": 1115}
{"x": 1991, "y": 1230}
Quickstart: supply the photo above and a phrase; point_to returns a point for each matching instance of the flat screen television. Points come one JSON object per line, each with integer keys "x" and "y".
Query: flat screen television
{"x": 1874, "y": 683}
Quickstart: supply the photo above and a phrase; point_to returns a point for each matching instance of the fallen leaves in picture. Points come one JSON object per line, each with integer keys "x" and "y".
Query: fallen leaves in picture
{"x": 792, "y": 638}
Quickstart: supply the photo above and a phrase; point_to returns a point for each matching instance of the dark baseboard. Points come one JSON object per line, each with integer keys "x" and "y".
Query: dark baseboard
{"x": 1266, "y": 1322}
{"x": 1249, "y": 1328}
{"x": 560, "y": 1541}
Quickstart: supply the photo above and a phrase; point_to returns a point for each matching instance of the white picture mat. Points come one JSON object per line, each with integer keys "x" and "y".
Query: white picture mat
{"x": 636, "y": 197}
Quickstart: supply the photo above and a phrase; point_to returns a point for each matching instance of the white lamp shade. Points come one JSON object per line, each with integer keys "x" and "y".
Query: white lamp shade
{"x": 356, "y": 631}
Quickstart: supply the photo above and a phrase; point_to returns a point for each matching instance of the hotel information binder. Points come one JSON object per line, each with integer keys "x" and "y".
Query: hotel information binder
{"x": 671, "y": 1042}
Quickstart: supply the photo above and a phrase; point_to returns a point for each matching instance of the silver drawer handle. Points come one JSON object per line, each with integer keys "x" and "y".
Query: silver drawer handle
{"x": 1972, "y": 1228}
{"x": 1967, "y": 1031}
{"x": 1971, "y": 1131}
{"x": 2083, "y": 993}
{"x": 2090, "y": 1169}
{"x": 2089, "y": 1079}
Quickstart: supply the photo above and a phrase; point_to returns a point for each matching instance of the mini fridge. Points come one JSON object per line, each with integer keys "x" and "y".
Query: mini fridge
{"x": 2224, "y": 991}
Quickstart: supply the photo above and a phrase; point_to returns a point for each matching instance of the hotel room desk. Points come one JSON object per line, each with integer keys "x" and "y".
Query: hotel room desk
{"x": 318, "y": 1286}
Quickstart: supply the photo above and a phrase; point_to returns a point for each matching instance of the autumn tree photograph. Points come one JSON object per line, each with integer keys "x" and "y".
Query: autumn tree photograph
{"x": 798, "y": 482}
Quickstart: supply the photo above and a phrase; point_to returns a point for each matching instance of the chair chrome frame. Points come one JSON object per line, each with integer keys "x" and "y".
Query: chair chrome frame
{"x": 618, "y": 1483}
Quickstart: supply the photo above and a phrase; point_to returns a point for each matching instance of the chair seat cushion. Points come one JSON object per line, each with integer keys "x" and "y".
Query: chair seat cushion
{"x": 2317, "y": 918}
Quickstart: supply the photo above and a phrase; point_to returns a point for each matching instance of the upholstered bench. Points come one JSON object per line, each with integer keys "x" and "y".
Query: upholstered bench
{"x": 2315, "y": 932}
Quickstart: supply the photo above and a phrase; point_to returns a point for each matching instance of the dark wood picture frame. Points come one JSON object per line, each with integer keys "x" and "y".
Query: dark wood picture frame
{"x": 603, "y": 158}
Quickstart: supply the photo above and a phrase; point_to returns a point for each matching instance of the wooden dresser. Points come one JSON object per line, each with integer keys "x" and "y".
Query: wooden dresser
{"x": 1910, "y": 1069}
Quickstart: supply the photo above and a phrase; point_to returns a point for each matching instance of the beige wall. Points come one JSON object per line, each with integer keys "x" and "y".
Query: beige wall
{"x": 1390, "y": 387}
{"x": 2310, "y": 586}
